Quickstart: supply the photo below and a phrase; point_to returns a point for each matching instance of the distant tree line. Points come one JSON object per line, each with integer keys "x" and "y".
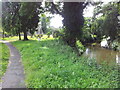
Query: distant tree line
{"x": 20, "y": 17}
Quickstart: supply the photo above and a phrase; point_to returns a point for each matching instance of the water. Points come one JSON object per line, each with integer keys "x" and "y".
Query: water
{"x": 102, "y": 55}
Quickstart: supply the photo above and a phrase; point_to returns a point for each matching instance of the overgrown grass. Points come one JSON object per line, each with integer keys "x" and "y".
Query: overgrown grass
{"x": 4, "y": 52}
{"x": 52, "y": 64}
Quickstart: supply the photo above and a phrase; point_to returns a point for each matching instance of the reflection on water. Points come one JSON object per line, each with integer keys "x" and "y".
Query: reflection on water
{"x": 118, "y": 59}
{"x": 103, "y": 55}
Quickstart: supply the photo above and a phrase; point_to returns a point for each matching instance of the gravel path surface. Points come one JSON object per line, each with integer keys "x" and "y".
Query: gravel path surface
{"x": 14, "y": 76}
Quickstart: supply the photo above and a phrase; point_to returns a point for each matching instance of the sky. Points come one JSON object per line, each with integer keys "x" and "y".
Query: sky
{"x": 56, "y": 21}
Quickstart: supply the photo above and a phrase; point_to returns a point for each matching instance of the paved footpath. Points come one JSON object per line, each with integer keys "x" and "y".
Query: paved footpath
{"x": 14, "y": 76}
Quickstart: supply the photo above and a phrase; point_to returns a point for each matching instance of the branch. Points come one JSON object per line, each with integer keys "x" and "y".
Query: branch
{"x": 84, "y": 6}
{"x": 55, "y": 8}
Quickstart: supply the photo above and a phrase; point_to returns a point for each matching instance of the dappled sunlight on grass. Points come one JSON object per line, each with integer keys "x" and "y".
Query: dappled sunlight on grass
{"x": 44, "y": 47}
{"x": 16, "y": 38}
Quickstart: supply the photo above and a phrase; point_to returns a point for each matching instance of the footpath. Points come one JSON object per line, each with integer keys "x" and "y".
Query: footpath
{"x": 14, "y": 76}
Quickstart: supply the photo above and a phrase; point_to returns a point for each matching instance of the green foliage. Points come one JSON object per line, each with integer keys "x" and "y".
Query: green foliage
{"x": 29, "y": 12}
{"x": 97, "y": 28}
{"x": 20, "y": 17}
{"x": 4, "y": 52}
{"x": 56, "y": 34}
{"x": 45, "y": 23}
{"x": 49, "y": 33}
{"x": 10, "y": 18}
{"x": 107, "y": 23}
{"x": 93, "y": 29}
{"x": 87, "y": 31}
{"x": 52, "y": 64}
{"x": 110, "y": 26}
{"x": 115, "y": 45}
{"x": 80, "y": 46}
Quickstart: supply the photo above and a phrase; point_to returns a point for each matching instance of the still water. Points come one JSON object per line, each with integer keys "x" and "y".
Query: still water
{"x": 102, "y": 55}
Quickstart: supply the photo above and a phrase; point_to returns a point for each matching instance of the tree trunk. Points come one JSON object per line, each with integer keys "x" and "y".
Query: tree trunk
{"x": 73, "y": 22}
{"x": 19, "y": 35}
{"x": 25, "y": 35}
{"x": 19, "y": 29}
{"x": 3, "y": 35}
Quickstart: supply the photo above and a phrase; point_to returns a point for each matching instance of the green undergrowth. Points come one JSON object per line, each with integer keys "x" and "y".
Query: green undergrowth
{"x": 52, "y": 64}
{"x": 4, "y": 52}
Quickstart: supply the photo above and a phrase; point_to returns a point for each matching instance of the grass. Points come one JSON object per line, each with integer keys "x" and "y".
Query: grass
{"x": 0, "y": 29}
{"x": 50, "y": 63}
{"x": 11, "y": 39}
{"x": 3, "y": 58}
{"x": 15, "y": 38}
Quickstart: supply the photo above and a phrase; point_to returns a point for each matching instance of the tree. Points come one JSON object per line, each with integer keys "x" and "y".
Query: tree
{"x": 73, "y": 21}
{"x": 6, "y": 17}
{"x": 72, "y": 12}
{"x": 20, "y": 17}
{"x": 29, "y": 16}
{"x": 16, "y": 22}
{"x": 111, "y": 23}
{"x": 107, "y": 24}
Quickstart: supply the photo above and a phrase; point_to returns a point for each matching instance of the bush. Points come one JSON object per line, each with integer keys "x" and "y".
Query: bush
{"x": 80, "y": 46}
{"x": 115, "y": 45}
{"x": 58, "y": 34}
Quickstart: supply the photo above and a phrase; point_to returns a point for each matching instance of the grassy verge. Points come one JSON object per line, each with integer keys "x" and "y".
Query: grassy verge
{"x": 52, "y": 64}
{"x": 4, "y": 52}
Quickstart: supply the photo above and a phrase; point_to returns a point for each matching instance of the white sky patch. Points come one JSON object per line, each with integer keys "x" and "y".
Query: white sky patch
{"x": 88, "y": 12}
{"x": 56, "y": 21}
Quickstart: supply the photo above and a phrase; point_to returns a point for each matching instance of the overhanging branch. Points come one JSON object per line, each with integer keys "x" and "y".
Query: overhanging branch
{"x": 55, "y": 8}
